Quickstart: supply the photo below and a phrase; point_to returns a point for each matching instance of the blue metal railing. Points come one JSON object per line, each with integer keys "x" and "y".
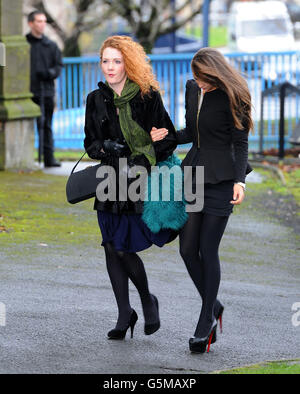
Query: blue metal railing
{"x": 261, "y": 70}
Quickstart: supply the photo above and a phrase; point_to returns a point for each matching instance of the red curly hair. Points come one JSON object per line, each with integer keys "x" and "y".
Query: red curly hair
{"x": 137, "y": 63}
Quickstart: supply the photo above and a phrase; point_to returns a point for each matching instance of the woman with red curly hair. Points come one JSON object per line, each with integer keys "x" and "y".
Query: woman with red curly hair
{"x": 119, "y": 117}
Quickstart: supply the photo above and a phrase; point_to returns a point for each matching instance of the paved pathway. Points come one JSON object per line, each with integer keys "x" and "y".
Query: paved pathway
{"x": 59, "y": 306}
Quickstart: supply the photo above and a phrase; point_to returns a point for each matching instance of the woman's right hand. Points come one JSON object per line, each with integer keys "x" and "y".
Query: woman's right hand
{"x": 158, "y": 134}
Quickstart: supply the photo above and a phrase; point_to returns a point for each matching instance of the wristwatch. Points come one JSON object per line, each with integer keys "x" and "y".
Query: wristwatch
{"x": 241, "y": 184}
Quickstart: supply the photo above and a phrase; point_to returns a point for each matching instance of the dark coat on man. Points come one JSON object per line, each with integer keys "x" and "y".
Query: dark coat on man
{"x": 46, "y": 64}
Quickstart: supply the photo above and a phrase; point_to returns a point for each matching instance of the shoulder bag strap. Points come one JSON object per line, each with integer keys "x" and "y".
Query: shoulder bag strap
{"x": 78, "y": 162}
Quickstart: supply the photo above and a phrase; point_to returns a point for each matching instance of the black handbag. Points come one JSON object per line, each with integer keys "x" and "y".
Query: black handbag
{"x": 82, "y": 185}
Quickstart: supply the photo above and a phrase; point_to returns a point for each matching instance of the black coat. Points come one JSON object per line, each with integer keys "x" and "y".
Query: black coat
{"x": 101, "y": 123}
{"x": 45, "y": 65}
{"x": 217, "y": 144}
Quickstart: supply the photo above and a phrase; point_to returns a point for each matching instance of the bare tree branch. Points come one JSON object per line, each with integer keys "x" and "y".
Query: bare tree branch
{"x": 39, "y": 5}
{"x": 148, "y": 19}
{"x": 178, "y": 24}
{"x": 152, "y": 18}
{"x": 87, "y": 17}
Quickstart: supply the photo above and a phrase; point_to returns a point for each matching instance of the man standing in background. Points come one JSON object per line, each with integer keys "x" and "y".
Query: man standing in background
{"x": 46, "y": 64}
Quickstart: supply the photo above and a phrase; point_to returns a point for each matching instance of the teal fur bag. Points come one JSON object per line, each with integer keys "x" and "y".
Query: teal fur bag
{"x": 158, "y": 213}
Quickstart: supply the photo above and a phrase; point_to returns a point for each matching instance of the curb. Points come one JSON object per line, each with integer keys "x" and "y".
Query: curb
{"x": 269, "y": 167}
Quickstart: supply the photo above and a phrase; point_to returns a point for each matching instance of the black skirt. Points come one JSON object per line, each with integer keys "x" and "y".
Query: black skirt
{"x": 217, "y": 197}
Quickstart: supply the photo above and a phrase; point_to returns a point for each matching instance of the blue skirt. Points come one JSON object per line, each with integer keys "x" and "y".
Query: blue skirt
{"x": 128, "y": 232}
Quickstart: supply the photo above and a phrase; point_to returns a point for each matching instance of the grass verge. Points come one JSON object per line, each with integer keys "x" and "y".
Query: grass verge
{"x": 33, "y": 208}
{"x": 67, "y": 155}
{"x": 273, "y": 367}
{"x": 272, "y": 182}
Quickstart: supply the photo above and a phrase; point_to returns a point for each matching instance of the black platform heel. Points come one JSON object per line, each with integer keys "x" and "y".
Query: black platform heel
{"x": 218, "y": 316}
{"x": 153, "y": 327}
{"x": 198, "y": 345}
{"x": 120, "y": 334}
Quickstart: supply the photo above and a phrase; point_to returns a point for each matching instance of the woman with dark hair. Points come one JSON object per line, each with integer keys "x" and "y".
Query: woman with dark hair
{"x": 218, "y": 120}
{"x": 119, "y": 118}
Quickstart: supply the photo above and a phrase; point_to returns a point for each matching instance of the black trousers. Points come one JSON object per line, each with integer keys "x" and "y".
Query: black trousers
{"x": 46, "y": 125}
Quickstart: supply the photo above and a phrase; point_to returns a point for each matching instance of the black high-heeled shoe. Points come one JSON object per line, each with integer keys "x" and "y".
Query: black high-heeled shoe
{"x": 198, "y": 345}
{"x": 120, "y": 334}
{"x": 218, "y": 316}
{"x": 153, "y": 327}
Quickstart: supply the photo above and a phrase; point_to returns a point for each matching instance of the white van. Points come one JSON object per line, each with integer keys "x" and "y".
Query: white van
{"x": 260, "y": 26}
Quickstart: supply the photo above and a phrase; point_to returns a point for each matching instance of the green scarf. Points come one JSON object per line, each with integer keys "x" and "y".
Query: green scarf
{"x": 138, "y": 140}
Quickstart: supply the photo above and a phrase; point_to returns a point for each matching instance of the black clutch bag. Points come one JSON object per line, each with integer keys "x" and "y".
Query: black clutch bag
{"x": 82, "y": 185}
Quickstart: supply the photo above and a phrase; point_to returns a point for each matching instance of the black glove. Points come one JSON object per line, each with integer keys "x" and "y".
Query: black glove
{"x": 94, "y": 151}
{"x": 114, "y": 148}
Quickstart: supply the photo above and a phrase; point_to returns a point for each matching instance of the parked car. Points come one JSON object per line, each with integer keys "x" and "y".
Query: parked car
{"x": 260, "y": 26}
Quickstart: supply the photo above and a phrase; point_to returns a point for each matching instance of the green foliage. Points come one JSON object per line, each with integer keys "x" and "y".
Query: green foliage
{"x": 217, "y": 35}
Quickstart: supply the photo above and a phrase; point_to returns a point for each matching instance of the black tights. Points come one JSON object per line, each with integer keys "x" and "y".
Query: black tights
{"x": 120, "y": 267}
{"x": 199, "y": 244}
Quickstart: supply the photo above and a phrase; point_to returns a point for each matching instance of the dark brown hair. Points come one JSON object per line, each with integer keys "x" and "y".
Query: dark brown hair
{"x": 33, "y": 14}
{"x": 210, "y": 66}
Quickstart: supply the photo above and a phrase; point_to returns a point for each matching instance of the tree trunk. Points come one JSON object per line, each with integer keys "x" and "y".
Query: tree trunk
{"x": 144, "y": 37}
{"x": 146, "y": 44}
{"x": 72, "y": 48}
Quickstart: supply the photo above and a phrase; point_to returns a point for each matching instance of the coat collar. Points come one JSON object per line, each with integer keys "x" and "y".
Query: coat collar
{"x": 32, "y": 39}
{"x": 105, "y": 90}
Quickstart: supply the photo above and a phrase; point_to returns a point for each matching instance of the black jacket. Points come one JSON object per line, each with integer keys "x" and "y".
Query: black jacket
{"x": 45, "y": 65}
{"x": 101, "y": 123}
{"x": 217, "y": 144}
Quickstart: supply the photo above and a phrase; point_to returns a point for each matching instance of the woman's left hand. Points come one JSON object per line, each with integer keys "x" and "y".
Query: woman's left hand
{"x": 238, "y": 194}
